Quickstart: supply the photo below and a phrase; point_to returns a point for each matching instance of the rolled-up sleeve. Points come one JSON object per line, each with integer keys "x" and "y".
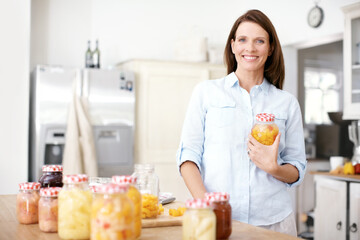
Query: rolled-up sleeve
{"x": 294, "y": 151}
{"x": 192, "y": 137}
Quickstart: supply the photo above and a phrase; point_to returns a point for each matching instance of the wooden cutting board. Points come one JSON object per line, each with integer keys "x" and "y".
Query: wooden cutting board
{"x": 164, "y": 220}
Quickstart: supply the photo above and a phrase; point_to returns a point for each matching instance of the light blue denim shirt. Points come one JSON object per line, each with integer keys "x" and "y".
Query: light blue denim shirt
{"x": 214, "y": 136}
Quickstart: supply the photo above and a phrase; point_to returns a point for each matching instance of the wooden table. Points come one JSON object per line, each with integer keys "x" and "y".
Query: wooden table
{"x": 10, "y": 229}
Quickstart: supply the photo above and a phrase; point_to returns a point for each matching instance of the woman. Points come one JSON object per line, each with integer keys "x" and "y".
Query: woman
{"x": 217, "y": 152}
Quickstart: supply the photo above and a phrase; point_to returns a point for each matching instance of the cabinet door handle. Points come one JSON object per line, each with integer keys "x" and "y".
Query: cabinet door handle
{"x": 353, "y": 228}
{"x": 338, "y": 225}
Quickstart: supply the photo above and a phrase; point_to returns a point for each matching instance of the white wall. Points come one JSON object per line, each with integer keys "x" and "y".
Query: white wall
{"x": 130, "y": 29}
{"x": 14, "y": 72}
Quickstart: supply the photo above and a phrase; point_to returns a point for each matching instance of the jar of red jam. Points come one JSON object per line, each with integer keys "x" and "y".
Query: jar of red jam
{"x": 27, "y": 202}
{"x": 265, "y": 130}
{"x": 222, "y": 209}
{"x": 52, "y": 176}
{"x": 48, "y": 209}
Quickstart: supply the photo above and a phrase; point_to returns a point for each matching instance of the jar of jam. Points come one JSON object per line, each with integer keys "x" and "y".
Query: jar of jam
{"x": 48, "y": 209}
{"x": 265, "y": 130}
{"x": 222, "y": 209}
{"x": 75, "y": 200}
{"x": 148, "y": 184}
{"x": 134, "y": 196}
{"x": 52, "y": 176}
{"x": 199, "y": 221}
{"x": 27, "y": 202}
{"x": 112, "y": 213}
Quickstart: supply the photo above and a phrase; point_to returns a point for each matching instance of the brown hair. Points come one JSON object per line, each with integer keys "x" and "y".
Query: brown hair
{"x": 274, "y": 70}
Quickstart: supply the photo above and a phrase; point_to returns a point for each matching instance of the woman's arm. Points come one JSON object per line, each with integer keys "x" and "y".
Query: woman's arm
{"x": 192, "y": 179}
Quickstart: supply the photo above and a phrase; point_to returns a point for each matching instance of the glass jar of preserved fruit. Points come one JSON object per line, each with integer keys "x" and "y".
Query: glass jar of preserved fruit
{"x": 199, "y": 221}
{"x": 134, "y": 196}
{"x": 75, "y": 208}
{"x": 265, "y": 130}
{"x": 112, "y": 213}
{"x": 52, "y": 176}
{"x": 27, "y": 202}
{"x": 222, "y": 209}
{"x": 48, "y": 209}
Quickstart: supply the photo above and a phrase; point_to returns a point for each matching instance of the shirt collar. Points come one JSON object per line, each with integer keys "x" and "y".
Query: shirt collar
{"x": 231, "y": 79}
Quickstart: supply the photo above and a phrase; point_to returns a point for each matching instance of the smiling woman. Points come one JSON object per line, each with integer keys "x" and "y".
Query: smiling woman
{"x": 217, "y": 152}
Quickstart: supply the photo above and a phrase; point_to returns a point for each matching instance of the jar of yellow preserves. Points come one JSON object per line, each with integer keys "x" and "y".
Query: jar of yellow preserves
{"x": 112, "y": 213}
{"x": 134, "y": 196}
{"x": 74, "y": 204}
{"x": 199, "y": 220}
{"x": 265, "y": 130}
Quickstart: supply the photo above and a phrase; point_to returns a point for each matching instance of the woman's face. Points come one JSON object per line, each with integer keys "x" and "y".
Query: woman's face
{"x": 251, "y": 47}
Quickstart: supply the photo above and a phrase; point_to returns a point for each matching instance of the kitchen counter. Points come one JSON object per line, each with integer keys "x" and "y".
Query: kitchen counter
{"x": 10, "y": 229}
{"x": 343, "y": 177}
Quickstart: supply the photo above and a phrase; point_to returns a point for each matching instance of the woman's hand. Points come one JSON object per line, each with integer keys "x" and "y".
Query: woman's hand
{"x": 264, "y": 156}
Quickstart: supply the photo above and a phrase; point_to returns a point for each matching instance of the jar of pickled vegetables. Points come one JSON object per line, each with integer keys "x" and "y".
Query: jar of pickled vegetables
{"x": 48, "y": 209}
{"x": 75, "y": 208}
{"x": 265, "y": 130}
{"x": 148, "y": 184}
{"x": 112, "y": 213}
{"x": 220, "y": 203}
{"x": 52, "y": 176}
{"x": 134, "y": 196}
{"x": 199, "y": 221}
{"x": 27, "y": 202}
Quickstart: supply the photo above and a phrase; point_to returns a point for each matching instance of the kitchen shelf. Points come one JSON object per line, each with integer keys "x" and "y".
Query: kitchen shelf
{"x": 350, "y": 178}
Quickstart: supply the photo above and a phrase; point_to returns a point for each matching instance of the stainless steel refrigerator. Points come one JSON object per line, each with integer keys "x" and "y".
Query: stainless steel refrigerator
{"x": 111, "y": 97}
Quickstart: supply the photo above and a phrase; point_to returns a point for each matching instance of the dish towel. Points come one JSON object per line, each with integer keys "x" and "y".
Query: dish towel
{"x": 79, "y": 153}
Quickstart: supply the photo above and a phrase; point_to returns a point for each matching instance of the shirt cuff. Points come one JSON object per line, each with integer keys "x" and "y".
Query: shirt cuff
{"x": 301, "y": 167}
{"x": 184, "y": 155}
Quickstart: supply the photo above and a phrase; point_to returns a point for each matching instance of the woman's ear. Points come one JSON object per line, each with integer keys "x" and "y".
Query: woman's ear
{"x": 232, "y": 46}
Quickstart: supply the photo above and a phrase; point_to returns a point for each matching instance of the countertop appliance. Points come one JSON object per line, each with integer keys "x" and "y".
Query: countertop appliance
{"x": 354, "y": 135}
{"x": 111, "y": 97}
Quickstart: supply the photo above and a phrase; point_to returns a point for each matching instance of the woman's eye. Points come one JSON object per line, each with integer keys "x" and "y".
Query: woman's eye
{"x": 241, "y": 39}
{"x": 260, "y": 41}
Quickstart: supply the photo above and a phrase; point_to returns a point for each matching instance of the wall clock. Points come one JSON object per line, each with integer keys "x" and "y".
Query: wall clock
{"x": 315, "y": 16}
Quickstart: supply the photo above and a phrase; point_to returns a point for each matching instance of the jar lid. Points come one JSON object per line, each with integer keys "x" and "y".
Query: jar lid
{"x": 76, "y": 178}
{"x": 50, "y": 192}
{"x": 29, "y": 186}
{"x": 124, "y": 179}
{"x": 52, "y": 168}
{"x": 110, "y": 188}
{"x": 197, "y": 203}
{"x": 217, "y": 196}
{"x": 265, "y": 117}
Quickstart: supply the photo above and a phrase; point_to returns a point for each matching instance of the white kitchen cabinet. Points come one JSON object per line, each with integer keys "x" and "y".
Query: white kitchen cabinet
{"x": 337, "y": 209}
{"x": 352, "y": 62}
{"x": 163, "y": 91}
{"x": 354, "y": 211}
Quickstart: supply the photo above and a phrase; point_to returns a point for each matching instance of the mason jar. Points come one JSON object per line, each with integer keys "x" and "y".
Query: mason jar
{"x": 199, "y": 221}
{"x": 27, "y": 203}
{"x": 219, "y": 201}
{"x": 48, "y": 209}
{"x": 51, "y": 176}
{"x": 265, "y": 129}
{"x": 134, "y": 196}
{"x": 75, "y": 208}
{"x": 147, "y": 182}
{"x": 112, "y": 214}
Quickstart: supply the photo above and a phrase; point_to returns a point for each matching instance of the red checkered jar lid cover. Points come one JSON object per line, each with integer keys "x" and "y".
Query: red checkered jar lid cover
{"x": 50, "y": 192}
{"x": 124, "y": 179}
{"x": 77, "y": 178}
{"x": 265, "y": 117}
{"x": 217, "y": 196}
{"x": 197, "y": 203}
{"x": 52, "y": 168}
{"x": 29, "y": 186}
